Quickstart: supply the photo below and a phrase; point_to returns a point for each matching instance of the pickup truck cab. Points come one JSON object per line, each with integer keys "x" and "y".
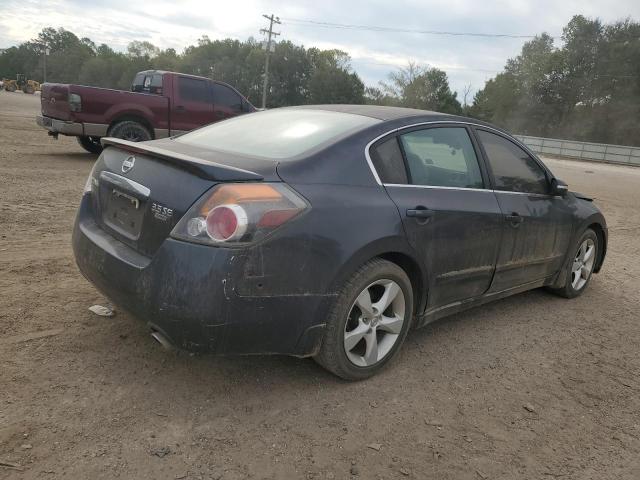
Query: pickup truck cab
{"x": 160, "y": 104}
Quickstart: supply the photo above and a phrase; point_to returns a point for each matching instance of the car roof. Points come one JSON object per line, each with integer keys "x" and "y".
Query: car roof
{"x": 387, "y": 114}
{"x": 375, "y": 111}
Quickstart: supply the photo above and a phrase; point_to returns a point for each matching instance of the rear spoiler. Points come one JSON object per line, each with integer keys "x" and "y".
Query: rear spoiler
{"x": 202, "y": 168}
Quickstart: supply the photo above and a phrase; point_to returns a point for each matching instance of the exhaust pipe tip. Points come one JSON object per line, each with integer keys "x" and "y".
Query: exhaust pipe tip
{"x": 162, "y": 340}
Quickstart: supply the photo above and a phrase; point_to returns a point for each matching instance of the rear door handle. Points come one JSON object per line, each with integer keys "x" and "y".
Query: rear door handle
{"x": 420, "y": 212}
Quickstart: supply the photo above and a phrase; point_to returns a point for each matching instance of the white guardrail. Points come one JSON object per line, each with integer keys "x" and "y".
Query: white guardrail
{"x": 598, "y": 152}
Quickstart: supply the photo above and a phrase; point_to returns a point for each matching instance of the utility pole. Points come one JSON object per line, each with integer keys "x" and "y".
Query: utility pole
{"x": 268, "y": 47}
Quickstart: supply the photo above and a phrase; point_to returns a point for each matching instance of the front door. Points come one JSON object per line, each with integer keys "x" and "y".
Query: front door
{"x": 537, "y": 225}
{"x": 450, "y": 215}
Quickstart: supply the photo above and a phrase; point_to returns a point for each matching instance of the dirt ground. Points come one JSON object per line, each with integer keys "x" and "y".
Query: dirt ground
{"x": 532, "y": 387}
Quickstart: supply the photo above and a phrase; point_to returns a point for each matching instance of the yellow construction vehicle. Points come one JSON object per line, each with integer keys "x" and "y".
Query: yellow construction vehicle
{"x": 21, "y": 83}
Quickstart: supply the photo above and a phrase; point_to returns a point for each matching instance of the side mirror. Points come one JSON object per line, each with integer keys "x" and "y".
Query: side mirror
{"x": 558, "y": 187}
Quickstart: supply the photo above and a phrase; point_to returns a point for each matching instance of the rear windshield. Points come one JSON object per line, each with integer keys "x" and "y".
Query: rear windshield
{"x": 277, "y": 134}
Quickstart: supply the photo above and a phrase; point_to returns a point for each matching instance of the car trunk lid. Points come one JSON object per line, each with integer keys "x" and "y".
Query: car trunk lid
{"x": 141, "y": 190}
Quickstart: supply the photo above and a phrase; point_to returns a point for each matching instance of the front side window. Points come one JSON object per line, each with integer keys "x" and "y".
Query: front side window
{"x": 193, "y": 90}
{"x": 225, "y": 97}
{"x": 441, "y": 157}
{"x": 514, "y": 170}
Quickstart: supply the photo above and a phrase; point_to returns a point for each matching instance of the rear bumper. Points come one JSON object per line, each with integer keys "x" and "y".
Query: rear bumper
{"x": 187, "y": 292}
{"x": 77, "y": 129}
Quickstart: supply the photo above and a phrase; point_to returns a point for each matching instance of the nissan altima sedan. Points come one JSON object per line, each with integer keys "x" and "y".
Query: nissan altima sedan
{"x": 327, "y": 231}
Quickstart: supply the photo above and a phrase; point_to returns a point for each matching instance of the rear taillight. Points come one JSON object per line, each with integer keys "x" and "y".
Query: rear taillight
{"x": 75, "y": 102}
{"x": 239, "y": 213}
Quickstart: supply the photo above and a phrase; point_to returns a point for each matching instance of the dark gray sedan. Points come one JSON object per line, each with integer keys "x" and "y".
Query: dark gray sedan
{"x": 327, "y": 231}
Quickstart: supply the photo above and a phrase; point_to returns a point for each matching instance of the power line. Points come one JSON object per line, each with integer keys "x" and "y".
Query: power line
{"x": 374, "y": 28}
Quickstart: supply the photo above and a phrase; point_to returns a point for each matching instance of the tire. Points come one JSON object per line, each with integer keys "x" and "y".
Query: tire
{"x": 90, "y": 144}
{"x": 130, "y": 130}
{"x": 575, "y": 286}
{"x": 346, "y": 319}
{"x": 28, "y": 90}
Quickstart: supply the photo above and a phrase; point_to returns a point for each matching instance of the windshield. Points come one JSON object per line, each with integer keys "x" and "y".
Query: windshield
{"x": 277, "y": 134}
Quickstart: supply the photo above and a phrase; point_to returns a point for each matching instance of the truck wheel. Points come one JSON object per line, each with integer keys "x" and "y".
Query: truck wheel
{"x": 90, "y": 144}
{"x": 130, "y": 130}
{"x": 28, "y": 89}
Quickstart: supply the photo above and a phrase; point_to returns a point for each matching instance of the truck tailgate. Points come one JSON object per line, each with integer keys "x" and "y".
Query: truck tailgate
{"x": 54, "y": 101}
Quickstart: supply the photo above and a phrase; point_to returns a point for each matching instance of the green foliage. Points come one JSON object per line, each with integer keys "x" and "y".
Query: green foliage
{"x": 297, "y": 75}
{"x": 587, "y": 89}
{"x": 416, "y": 87}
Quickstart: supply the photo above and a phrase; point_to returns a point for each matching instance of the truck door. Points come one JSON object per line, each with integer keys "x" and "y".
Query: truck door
{"x": 192, "y": 106}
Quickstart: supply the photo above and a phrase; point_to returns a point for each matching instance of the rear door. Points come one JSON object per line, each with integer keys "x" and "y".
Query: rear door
{"x": 537, "y": 225}
{"x": 450, "y": 215}
{"x": 192, "y": 105}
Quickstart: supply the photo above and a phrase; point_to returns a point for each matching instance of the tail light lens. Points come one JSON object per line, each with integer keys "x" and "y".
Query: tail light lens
{"x": 239, "y": 213}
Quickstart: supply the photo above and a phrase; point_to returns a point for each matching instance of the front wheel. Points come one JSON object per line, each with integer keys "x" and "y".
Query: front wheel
{"x": 368, "y": 322}
{"x": 90, "y": 144}
{"x": 581, "y": 265}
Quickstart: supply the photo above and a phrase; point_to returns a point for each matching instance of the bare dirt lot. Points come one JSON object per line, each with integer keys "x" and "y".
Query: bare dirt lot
{"x": 534, "y": 386}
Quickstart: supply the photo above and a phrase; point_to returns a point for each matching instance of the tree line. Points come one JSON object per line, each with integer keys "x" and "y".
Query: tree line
{"x": 588, "y": 88}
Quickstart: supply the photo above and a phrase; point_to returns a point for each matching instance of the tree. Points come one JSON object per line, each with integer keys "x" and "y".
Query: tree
{"x": 587, "y": 89}
{"x": 420, "y": 87}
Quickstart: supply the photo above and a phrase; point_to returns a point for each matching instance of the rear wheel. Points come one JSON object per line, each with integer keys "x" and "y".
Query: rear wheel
{"x": 131, "y": 131}
{"x": 369, "y": 321}
{"x": 90, "y": 144}
{"x": 580, "y": 268}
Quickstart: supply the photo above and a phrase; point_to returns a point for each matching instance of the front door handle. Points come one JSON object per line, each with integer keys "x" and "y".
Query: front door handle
{"x": 180, "y": 108}
{"x": 420, "y": 212}
{"x": 514, "y": 219}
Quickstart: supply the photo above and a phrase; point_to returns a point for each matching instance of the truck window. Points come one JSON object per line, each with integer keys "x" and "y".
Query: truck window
{"x": 147, "y": 83}
{"x": 225, "y": 97}
{"x": 138, "y": 82}
{"x": 192, "y": 89}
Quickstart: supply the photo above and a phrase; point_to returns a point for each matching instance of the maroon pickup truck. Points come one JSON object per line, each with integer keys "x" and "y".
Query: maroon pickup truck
{"x": 159, "y": 105}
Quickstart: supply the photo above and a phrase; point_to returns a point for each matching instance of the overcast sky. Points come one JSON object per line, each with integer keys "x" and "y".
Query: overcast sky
{"x": 467, "y": 60}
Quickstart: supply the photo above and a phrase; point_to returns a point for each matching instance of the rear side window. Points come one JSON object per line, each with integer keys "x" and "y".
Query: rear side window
{"x": 514, "y": 170}
{"x": 225, "y": 97}
{"x": 442, "y": 157}
{"x": 149, "y": 83}
{"x": 388, "y": 162}
{"x": 193, "y": 90}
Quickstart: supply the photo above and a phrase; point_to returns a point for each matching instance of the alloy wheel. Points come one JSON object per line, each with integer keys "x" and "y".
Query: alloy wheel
{"x": 374, "y": 323}
{"x": 583, "y": 264}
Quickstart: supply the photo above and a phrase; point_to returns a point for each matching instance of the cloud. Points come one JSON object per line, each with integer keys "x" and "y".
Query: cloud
{"x": 177, "y": 24}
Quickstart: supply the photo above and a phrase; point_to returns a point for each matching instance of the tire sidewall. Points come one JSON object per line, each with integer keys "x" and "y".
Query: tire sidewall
{"x": 339, "y": 363}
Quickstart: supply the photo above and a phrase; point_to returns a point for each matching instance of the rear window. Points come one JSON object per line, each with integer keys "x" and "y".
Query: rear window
{"x": 277, "y": 134}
